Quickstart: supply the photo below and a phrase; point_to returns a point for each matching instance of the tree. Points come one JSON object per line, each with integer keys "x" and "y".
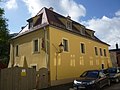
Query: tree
{"x": 4, "y": 38}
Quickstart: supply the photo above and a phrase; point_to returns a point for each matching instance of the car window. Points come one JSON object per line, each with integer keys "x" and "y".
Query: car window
{"x": 92, "y": 74}
{"x": 118, "y": 70}
{"x": 112, "y": 70}
{"x": 101, "y": 74}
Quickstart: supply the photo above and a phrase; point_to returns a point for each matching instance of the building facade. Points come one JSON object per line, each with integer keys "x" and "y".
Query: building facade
{"x": 115, "y": 56}
{"x": 38, "y": 45}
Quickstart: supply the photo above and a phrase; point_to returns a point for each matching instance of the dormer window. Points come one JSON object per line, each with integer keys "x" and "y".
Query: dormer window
{"x": 30, "y": 24}
{"x": 69, "y": 25}
{"x": 82, "y": 31}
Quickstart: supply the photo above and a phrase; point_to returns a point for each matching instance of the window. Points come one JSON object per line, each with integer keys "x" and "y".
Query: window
{"x": 69, "y": 25}
{"x": 35, "y": 46}
{"x": 16, "y": 50}
{"x": 30, "y": 24}
{"x": 34, "y": 67}
{"x": 65, "y": 43}
{"x": 100, "y": 52}
{"x": 105, "y": 52}
{"x": 82, "y": 48}
{"x": 96, "y": 51}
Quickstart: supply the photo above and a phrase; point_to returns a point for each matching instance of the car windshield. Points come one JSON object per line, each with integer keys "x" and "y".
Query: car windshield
{"x": 112, "y": 70}
{"x": 91, "y": 74}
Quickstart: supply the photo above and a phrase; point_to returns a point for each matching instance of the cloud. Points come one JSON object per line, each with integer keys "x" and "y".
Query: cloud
{"x": 11, "y": 4}
{"x": 117, "y": 13}
{"x": 65, "y": 7}
{"x": 107, "y": 29}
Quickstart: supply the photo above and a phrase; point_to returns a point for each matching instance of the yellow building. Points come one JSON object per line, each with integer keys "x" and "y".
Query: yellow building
{"x": 62, "y": 46}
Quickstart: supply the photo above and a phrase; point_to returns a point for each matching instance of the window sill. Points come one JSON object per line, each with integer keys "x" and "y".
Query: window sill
{"x": 36, "y": 52}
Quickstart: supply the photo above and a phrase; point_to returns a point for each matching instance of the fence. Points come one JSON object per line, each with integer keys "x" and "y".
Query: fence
{"x": 17, "y": 78}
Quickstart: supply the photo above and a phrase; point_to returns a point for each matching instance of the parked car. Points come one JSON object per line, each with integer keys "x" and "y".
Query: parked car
{"x": 91, "y": 79}
{"x": 114, "y": 74}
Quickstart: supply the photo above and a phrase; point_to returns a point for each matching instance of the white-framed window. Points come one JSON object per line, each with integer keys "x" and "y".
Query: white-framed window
{"x": 66, "y": 45}
{"x": 105, "y": 52}
{"x": 17, "y": 48}
{"x": 36, "y": 45}
{"x": 96, "y": 51}
{"x": 82, "y": 31}
{"x": 34, "y": 66}
{"x": 82, "y": 48}
{"x": 69, "y": 24}
{"x": 101, "y": 52}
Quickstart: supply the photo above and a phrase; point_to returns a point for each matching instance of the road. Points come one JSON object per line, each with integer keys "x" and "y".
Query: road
{"x": 113, "y": 87}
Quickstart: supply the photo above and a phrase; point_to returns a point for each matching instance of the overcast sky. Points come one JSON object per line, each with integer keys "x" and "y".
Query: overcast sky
{"x": 102, "y": 16}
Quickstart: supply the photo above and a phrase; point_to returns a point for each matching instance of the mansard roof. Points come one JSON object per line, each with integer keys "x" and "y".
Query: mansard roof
{"x": 49, "y": 17}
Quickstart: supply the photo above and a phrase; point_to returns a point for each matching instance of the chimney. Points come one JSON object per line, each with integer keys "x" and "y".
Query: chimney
{"x": 68, "y": 17}
{"x": 51, "y": 8}
{"x": 116, "y": 45}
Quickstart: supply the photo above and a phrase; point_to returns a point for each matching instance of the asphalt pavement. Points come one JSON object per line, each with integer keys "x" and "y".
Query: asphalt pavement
{"x": 114, "y": 86}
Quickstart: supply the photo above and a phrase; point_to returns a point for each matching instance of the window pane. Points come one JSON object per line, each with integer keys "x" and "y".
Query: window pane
{"x": 82, "y": 48}
{"x": 65, "y": 43}
{"x": 104, "y": 52}
{"x": 100, "y": 51}
{"x": 35, "y": 45}
{"x": 69, "y": 25}
{"x": 96, "y": 52}
{"x": 17, "y": 50}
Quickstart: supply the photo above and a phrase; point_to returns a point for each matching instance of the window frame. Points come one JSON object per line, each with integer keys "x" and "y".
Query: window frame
{"x": 38, "y": 46}
{"x": 104, "y": 52}
{"x": 17, "y": 50}
{"x": 101, "y": 53}
{"x": 82, "y": 49}
{"x": 96, "y": 51}
{"x": 69, "y": 24}
{"x": 67, "y": 44}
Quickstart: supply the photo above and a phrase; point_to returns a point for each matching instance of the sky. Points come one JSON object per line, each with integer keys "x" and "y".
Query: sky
{"x": 102, "y": 16}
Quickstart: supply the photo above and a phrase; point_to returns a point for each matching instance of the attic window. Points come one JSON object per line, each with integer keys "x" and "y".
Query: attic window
{"x": 38, "y": 20}
{"x": 82, "y": 31}
{"x": 69, "y": 25}
{"x": 92, "y": 34}
{"x": 30, "y": 25}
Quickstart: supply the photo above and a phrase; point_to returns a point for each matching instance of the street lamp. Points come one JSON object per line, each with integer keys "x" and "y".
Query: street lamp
{"x": 60, "y": 50}
{"x": 61, "y": 47}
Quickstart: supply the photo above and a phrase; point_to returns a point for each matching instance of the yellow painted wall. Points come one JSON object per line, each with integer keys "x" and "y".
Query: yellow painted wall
{"x": 25, "y": 49}
{"x": 70, "y": 64}
{"x": 73, "y": 63}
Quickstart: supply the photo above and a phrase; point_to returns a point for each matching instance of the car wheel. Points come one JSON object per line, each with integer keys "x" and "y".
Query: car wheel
{"x": 116, "y": 80}
{"x": 109, "y": 83}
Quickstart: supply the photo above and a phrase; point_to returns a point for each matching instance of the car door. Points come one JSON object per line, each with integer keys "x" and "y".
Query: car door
{"x": 118, "y": 73}
{"x": 103, "y": 79}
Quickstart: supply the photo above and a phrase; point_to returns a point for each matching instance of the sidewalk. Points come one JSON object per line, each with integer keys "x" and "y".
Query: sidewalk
{"x": 60, "y": 87}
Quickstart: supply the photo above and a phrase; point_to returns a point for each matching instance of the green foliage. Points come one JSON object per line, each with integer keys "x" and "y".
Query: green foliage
{"x": 4, "y": 38}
